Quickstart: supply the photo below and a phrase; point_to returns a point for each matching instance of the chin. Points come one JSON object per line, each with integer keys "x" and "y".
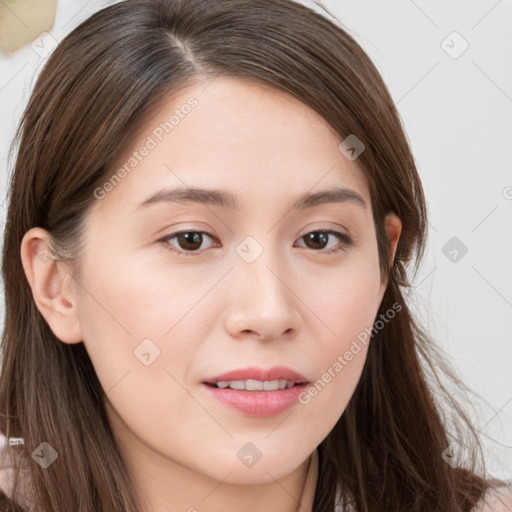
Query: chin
{"x": 270, "y": 467}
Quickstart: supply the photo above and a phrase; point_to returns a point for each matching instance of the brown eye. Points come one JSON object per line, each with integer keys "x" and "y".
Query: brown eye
{"x": 316, "y": 240}
{"x": 189, "y": 243}
{"x": 186, "y": 241}
{"x": 319, "y": 240}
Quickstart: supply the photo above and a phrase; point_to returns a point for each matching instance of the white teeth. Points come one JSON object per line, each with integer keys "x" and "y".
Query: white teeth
{"x": 237, "y": 384}
{"x": 253, "y": 385}
{"x": 256, "y": 385}
{"x": 272, "y": 385}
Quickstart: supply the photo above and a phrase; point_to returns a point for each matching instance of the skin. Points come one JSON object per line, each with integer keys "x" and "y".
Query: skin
{"x": 212, "y": 312}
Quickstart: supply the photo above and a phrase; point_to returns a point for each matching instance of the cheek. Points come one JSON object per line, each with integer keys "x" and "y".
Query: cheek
{"x": 347, "y": 300}
{"x": 122, "y": 308}
{"x": 141, "y": 329}
{"x": 352, "y": 310}
{"x": 340, "y": 360}
{"x": 347, "y": 304}
{"x": 147, "y": 296}
{"x": 125, "y": 316}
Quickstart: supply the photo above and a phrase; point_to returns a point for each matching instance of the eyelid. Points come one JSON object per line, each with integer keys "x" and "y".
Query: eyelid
{"x": 168, "y": 246}
{"x": 345, "y": 241}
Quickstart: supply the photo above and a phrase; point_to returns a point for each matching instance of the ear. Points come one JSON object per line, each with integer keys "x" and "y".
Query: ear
{"x": 50, "y": 282}
{"x": 393, "y": 227}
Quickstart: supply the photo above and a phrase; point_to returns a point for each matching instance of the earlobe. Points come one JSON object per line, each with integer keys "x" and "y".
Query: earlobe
{"x": 50, "y": 281}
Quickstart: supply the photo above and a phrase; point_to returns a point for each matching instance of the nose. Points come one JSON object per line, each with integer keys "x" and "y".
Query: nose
{"x": 263, "y": 304}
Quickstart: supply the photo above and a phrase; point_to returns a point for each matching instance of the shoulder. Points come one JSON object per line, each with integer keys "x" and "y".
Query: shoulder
{"x": 499, "y": 500}
{"x": 6, "y": 467}
{"x": 6, "y": 504}
{"x": 4, "y": 464}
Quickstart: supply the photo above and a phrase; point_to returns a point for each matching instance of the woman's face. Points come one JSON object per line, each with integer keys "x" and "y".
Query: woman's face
{"x": 253, "y": 282}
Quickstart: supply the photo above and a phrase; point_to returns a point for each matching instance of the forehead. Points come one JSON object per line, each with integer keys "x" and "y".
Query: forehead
{"x": 233, "y": 134}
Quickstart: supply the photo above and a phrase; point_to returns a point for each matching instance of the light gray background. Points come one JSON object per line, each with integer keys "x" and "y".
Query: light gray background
{"x": 457, "y": 111}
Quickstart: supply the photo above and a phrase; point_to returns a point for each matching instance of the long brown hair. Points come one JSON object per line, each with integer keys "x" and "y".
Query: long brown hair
{"x": 385, "y": 452}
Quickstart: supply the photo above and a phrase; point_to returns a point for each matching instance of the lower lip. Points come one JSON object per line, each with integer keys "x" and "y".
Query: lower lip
{"x": 259, "y": 404}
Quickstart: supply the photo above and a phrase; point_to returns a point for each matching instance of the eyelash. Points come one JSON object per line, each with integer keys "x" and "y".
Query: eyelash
{"x": 346, "y": 241}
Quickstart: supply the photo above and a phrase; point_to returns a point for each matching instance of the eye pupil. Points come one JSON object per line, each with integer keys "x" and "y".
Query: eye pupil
{"x": 190, "y": 240}
{"x": 189, "y": 243}
{"x": 317, "y": 237}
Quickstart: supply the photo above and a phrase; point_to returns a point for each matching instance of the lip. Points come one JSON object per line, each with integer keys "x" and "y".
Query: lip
{"x": 258, "y": 404}
{"x": 274, "y": 373}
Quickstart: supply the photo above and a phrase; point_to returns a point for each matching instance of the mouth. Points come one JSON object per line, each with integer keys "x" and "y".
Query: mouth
{"x": 257, "y": 392}
{"x": 255, "y": 385}
{"x": 257, "y": 379}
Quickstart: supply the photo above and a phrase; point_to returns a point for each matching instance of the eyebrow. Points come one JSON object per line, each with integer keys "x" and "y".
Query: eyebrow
{"x": 225, "y": 199}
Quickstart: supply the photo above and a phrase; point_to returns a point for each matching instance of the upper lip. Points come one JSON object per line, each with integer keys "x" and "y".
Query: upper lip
{"x": 254, "y": 373}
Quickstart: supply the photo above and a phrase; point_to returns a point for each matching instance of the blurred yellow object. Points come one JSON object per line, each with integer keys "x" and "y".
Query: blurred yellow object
{"x": 21, "y": 21}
